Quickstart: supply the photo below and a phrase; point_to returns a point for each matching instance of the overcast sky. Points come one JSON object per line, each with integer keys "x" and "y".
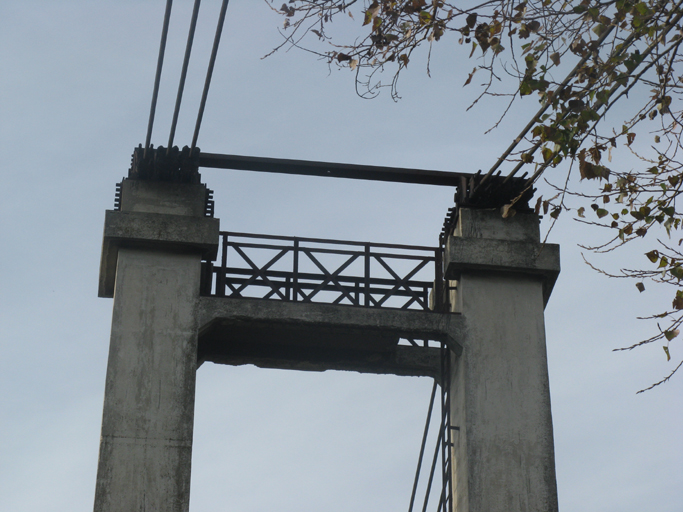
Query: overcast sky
{"x": 75, "y": 86}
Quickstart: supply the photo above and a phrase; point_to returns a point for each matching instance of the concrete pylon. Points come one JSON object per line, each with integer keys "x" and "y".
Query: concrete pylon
{"x": 151, "y": 262}
{"x": 502, "y": 453}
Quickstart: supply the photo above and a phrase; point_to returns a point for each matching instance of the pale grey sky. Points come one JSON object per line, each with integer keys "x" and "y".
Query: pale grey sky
{"x": 75, "y": 86}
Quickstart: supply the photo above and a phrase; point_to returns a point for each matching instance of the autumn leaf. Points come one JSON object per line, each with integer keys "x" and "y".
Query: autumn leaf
{"x": 547, "y": 154}
{"x": 641, "y": 287}
{"x": 590, "y": 171}
{"x": 469, "y": 78}
{"x": 576, "y": 105}
{"x": 666, "y": 351}
{"x": 555, "y": 57}
{"x": 669, "y": 335}
{"x": 371, "y": 13}
{"x": 678, "y": 300}
{"x": 533, "y": 26}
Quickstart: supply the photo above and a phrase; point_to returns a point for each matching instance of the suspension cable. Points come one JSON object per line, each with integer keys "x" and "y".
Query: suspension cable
{"x": 541, "y": 111}
{"x": 157, "y": 78}
{"x": 209, "y": 72}
{"x": 422, "y": 447}
{"x": 183, "y": 74}
{"x": 621, "y": 49}
{"x": 600, "y": 104}
{"x": 431, "y": 472}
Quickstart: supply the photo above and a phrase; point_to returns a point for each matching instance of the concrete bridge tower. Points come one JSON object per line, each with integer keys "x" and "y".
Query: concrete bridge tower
{"x": 176, "y": 306}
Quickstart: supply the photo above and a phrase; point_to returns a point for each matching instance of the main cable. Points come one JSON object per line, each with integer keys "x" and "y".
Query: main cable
{"x": 183, "y": 74}
{"x": 160, "y": 63}
{"x": 540, "y": 112}
{"x": 620, "y": 50}
{"x": 209, "y": 72}
{"x": 422, "y": 447}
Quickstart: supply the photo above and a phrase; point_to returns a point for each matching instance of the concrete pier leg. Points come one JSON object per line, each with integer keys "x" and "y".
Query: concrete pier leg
{"x": 153, "y": 262}
{"x": 146, "y": 445}
{"x": 503, "y": 453}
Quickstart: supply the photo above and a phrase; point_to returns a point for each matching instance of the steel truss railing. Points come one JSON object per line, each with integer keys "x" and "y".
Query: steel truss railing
{"x": 328, "y": 271}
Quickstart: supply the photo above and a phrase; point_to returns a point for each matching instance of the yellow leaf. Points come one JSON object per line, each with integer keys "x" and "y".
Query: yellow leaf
{"x": 508, "y": 211}
{"x": 669, "y": 335}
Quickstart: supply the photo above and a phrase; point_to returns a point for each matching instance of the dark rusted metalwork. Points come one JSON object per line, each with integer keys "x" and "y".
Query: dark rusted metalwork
{"x": 446, "y": 500}
{"x": 158, "y": 164}
{"x": 442, "y": 450}
{"x": 117, "y": 196}
{"x": 299, "y": 270}
{"x": 330, "y": 170}
{"x": 209, "y": 204}
{"x": 496, "y": 192}
{"x": 424, "y": 442}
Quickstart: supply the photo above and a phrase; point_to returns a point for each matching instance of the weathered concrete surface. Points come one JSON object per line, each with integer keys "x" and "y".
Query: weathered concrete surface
{"x": 482, "y": 250}
{"x": 144, "y": 230}
{"x": 146, "y": 444}
{"x": 159, "y": 197}
{"x": 318, "y": 337}
{"x": 503, "y": 451}
{"x": 151, "y": 264}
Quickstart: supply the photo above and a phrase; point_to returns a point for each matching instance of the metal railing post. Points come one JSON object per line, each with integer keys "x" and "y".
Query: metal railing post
{"x": 206, "y": 282}
{"x": 438, "y": 280}
{"x": 367, "y": 275}
{"x": 295, "y": 272}
{"x": 220, "y": 282}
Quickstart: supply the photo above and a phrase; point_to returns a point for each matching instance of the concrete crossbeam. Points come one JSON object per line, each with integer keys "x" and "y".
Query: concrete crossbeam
{"x": 319, "y": 337}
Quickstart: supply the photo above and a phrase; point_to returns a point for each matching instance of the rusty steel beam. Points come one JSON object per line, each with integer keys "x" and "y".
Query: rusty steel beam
{"x": 331, "y": 170}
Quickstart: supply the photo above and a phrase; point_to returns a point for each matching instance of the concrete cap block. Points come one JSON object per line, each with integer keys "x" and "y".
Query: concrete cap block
{"x": 489, "y": 223}
{"x": 153, "y": 231}
{"x": 491, "y": 255}
{"x": 161, "y": 197}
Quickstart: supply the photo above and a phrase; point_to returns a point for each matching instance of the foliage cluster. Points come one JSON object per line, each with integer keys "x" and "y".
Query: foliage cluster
{"x": 580, "y": 58}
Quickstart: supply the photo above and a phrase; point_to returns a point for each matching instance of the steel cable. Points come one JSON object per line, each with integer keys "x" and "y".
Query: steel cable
{"x": 422, "y": 447}
{"x": 209, "y": 72}
{"x": 183, "y": 74}
{"x": 540, "y": 112}
{"x": 600, "y": 104}
{"x": 157, "y": 78}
